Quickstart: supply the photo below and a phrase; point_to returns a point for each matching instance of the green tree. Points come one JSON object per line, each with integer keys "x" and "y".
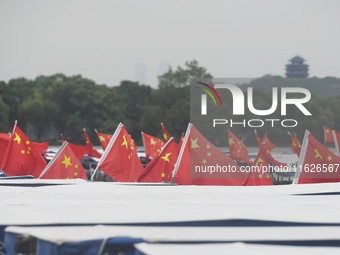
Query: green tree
{"x": 4, "y": 111}
{"x": 182, "y": 77}
{"x": 39, "y": 111}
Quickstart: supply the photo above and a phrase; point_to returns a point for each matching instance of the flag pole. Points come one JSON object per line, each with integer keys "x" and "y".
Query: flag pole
{"x": 53, "y": 159}
{"x": 301, "y": 158}
{"x": 142, "y": 134}
{"x": 108, "y": 148}
{"x": 181, "y": 151}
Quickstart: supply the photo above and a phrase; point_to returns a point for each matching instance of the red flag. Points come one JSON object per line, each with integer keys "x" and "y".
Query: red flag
{"x": 104, "y": 139}
{"x": 22, "y": 157}
{"x": 258, "y": 140}
{"x": 120, "y": 159}
{"x": 328, "y": 135}
{"x": 165, "y": 133}
{"x": 160, "y": 168}
{"x": 79, "y": 150}
{"x": 180, "y": 141}
{"x": 91, "y": 151}
{"x": 42, "y": 147}
{"x": 265, "y": 140}
{"x": 317, "y": 164}
{"x": 64, "y": 165}
{"x": 197, "y": 156}
{"x": 152, "y": 145}
{"x": 4, "y": 140}
{"x": 268, "y": 144}
{"x": 296, "y": 145}
{"x": 260, "y": 174}
{"x": 238, "y": 151}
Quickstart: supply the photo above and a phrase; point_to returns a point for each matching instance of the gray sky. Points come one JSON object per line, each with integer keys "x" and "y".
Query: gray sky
{"x": 109, "y": 41}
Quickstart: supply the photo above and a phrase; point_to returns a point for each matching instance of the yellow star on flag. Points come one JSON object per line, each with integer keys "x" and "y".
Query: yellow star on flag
{"x": 101, "y": 138}
{"x": 27, "y": 142}
{"x": 163, "y": 175}
{"x": 260, "y": 160}
{"x": 17, "y": 138}
{"x": 329, "y": 158}
{"x": 317, "y": 154}
{"x": 66, "y": 161}
{"x": 152, "y": 142}
{"x": 194, "y": 144}
{"x": 166, "y": 157}
{"x": 231, "y": 141}
{"x": 125, "y": 143}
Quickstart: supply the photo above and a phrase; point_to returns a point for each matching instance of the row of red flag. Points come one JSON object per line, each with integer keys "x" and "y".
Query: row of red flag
{"x": 171, "y": 162}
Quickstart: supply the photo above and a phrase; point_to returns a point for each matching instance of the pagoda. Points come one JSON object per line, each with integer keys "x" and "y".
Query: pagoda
{"x": 297, "y": 68}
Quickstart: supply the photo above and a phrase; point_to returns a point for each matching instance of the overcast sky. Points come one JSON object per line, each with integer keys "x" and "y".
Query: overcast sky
{"x": 109, "y": 41}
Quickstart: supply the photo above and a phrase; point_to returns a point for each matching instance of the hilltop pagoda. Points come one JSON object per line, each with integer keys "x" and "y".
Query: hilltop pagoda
{"x": 297, "y": 68}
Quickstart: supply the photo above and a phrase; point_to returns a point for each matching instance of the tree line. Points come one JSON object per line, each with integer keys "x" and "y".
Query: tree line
{"x": 50, "y": 105}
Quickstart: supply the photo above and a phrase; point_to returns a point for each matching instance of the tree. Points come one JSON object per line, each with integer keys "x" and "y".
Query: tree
{"x": 182, "y": 77}
{"x": 39, "y": 111}
{"x": 4, "y": 111}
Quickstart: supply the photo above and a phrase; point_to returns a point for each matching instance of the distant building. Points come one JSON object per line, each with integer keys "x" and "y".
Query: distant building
{"x": 140, "y": 73}
{"x": 297, "y": 68}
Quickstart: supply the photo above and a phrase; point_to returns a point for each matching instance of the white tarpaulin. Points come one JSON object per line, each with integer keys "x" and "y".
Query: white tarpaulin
{"x": 292, "y": 214}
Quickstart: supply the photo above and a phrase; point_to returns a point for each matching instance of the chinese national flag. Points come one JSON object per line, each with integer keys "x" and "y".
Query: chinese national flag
{"x": 259, "y": 175}
{"x": 104, "y": 139}
{"x": 317, "y": 164}
{"x": 160, "y": 168}
{"x": 91, "y": 151}
{"x": 265, "y": 140}
{"x": 197, "y": 152}
{"x": 238, "y": 151}
{"x": 22, "y": 157}
{"x": 165, "y": 133}
{"x": 42, "y": 147}
{"x": 78, "y": 150}
{"x": 328, "y": 134}
{"x": 152, "y": 145}
{"x": 296, "y": 145}
{"x": 120, "y": 159}
{"x": 64, "y": 165}
{"x": 4, "y": 140}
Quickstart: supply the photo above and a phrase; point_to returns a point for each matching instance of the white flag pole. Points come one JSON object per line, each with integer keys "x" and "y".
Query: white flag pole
{"x": 180, "y": 155}
{"x": 53, "y": 159}
{"x": 301, "y": 158}
{"x": 108, "y": 148}
{"x": 142, "y": 133}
